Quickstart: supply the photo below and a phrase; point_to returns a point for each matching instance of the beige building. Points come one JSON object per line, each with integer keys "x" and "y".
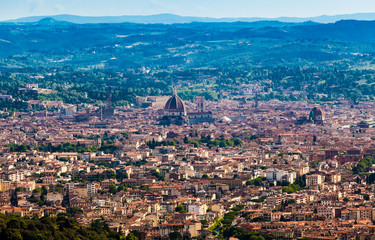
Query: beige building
{"x": 333, "y": 178}
{"x": 4, "y": 185}
{"x": 314, "y": 179}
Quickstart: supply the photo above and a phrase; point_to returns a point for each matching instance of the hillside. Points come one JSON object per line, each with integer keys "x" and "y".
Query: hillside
{"x": 81, "y": 62}
{"x": 54, "y": 43}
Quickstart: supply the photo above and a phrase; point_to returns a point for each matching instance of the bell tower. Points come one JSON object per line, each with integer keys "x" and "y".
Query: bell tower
{"x": 200, "y": 103}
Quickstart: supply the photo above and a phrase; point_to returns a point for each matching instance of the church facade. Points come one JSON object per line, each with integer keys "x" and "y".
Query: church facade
{"x": 175, "y": 112}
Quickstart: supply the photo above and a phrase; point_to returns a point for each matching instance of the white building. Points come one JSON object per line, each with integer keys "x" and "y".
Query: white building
{"x": 198, "y": 209}
{"x": 280, "y": 175}
{"x": 14, "y": 176}
{"x": 91, "y": 188}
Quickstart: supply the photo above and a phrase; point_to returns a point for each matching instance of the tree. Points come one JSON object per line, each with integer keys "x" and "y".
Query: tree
{"x": 175, "y": 236}
{"x": 99, "y": 226}
{"x": 366, "y": 197}
{"x": 187, "y": 236}
{"x": 112, "y": 189}
{"x": 121, "y": 188}
{"x": 204, "y": 222}
{"x": 125, "y": 135}
{"x": 205, "y": 176}
{"x": 37, "y": 191}
{"x": 301, "y": 181}
{"x": 256, "y": 181}
{"x": 230, "y": 232}
{"x": 131, "y": 236}
{"x": 251, "y": 137}
{"x": 291, "y": 188}
{"x": 44, "y": 190}
{"x": 371, "y": 178}
{"x": 180, "y": 209}
{"x": 158, "y": 175}
{"x": 75, "y": 210}
{"x": 14, "y": 223}
{"x": 364, "y": 165}
{"x": 52, "y": 228}
{"x": 12, "y": 234}
{"x": 238, "y": 208}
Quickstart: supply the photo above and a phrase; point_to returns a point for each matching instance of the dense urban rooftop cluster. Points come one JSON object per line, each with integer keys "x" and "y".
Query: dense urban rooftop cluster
{"x": 263, "y": 170}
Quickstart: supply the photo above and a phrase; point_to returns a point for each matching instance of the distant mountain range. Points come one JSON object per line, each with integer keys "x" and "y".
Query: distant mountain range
{"x": 55, "y": 43}
{"x": 171, "y": 18}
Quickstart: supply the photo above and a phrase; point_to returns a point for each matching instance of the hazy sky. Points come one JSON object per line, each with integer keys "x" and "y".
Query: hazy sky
{"x": 11, "y": 9}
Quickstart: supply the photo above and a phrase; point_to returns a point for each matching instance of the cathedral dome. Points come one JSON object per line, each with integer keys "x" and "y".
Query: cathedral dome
{"x": 316, "y": 115}
{"x": 175, "y": 104}
{"x": 316, "y": 112}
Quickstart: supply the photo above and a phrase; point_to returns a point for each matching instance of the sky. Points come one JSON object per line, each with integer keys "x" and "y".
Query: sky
{"x": 12, "y": 9}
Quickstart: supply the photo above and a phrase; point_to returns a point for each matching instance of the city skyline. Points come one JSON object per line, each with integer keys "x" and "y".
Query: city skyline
{"x": 182, "y": 120}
